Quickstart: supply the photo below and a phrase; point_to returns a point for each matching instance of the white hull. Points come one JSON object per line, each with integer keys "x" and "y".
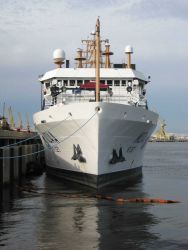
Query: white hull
{"x": 116, "y": 127}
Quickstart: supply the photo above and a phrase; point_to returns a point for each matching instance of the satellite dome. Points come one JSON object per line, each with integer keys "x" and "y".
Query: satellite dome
{"x": 128, "y": 49}
{"x": 79, "y": 50}
{"x": 59, "y": 55}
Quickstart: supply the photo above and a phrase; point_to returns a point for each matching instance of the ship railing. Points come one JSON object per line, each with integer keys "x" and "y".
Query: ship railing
{"x": 130, "y": 99}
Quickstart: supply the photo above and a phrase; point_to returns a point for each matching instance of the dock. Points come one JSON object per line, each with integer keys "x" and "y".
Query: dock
{"x": 21, "y": 154}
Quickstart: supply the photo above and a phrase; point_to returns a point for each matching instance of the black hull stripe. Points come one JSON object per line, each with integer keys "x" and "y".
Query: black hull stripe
{"x": 94, "y": 180}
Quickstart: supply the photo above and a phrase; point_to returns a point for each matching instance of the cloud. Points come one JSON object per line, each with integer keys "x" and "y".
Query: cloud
{"x": 30, "y": 30}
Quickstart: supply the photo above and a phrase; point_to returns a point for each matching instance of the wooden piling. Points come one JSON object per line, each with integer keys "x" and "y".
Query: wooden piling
{"x": 1, "y": 175}
{"x": 20, "y": 166}
{"x": 11, "y": 165}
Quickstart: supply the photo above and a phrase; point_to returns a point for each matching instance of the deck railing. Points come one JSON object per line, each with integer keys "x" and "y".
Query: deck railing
{"x": 68, "y": 98}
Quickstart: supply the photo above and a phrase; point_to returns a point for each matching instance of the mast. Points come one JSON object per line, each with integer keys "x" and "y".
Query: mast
{"x": 97, "y": 66}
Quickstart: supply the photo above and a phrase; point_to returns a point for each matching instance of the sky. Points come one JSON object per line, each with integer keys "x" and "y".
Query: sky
{"x": 30, "y": 30}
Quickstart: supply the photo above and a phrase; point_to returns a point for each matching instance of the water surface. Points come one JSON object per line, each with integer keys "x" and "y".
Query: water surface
{"x": 52, "y": 221}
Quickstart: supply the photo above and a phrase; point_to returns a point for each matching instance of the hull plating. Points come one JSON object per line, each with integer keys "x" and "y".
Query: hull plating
{"x": 110, "y": 142}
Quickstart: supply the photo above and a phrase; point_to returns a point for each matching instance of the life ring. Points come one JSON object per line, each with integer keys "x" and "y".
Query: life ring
{"x": 129, "y": 89}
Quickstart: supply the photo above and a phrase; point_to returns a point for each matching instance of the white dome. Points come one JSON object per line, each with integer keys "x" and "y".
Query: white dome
{"x": 128, "y": 49}
{"x": 79, "y": 50}
{"x": 59, "y": 54}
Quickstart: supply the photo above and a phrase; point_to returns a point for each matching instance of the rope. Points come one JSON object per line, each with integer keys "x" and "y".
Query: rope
{"x": 13, "y": 144}
{"x": 90, "y": 142}
{"x": 16, "y": 143}
{"x": 51, "y": 147}
{"x": 77, "y": 129}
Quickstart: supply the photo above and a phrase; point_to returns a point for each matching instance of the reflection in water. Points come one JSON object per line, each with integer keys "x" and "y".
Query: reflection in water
{"x": 78, "y": 218}
{"x": 67, "y": 223}
{"x": 78, "y": 223}
{"x": 125, "y": 226}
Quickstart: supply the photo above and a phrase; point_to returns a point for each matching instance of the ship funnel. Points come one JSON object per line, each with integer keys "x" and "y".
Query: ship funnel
{"x": 58, "y": 57}
{"x": 128, "y": 51}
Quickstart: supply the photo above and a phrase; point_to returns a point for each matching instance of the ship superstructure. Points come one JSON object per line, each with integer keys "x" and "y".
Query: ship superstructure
{"x": 95, "y": 120}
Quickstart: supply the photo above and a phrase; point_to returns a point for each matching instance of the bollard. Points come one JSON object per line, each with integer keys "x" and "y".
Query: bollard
{"x": 1, "y": 175}
{"x": 20, "y": 166}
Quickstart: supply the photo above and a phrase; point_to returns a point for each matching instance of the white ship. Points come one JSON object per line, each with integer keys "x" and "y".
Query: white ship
{"x": 95, "y": 121}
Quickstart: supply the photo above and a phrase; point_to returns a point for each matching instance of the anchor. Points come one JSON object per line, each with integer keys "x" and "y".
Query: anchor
{"x": 115, "y": 158}
{"x": 77, "y": 154}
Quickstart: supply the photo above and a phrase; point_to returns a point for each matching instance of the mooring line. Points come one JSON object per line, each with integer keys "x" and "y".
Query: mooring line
{"x": 27, "y": 139}
{"x": 51, "y": 147}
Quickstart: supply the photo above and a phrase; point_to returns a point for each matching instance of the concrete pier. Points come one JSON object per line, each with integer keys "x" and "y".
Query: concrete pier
{"x": 13, "y": 162}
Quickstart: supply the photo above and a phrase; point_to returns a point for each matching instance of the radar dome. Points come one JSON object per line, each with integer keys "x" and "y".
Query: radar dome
{"x": 79, "y": 50}
{"x": 128, "y": 49}
{"x": 59, "y": 55}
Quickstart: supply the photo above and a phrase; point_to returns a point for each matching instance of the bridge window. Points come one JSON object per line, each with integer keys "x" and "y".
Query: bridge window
{"x": 123, "y": 83}
{"x": 109, "y": 82}
{"x": 47, "y": 84}
{"x": 72, "y": 82}
{"x": 79, "y": 82}
{"x": 116, "y": 82}
{"x": 65, "y": 82}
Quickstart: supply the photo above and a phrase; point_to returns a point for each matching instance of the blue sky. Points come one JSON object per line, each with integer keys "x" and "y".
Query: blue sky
{"x": 30, "y": 30}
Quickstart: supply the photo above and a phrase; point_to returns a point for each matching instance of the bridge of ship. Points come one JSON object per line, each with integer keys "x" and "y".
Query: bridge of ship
{"x": 59, "y": 88}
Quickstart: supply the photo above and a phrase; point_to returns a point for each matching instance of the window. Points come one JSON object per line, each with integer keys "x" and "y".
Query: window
{"x": 116, "y": 83}
{"x": 123, "y": 83}
{"x": 59, "y": 83}
{"x": 72, "y": 82}
{"x": 65, "y": 83}
{"x": 47, "y": 84}
{"x": 102, "y": 81}
{"x": 86, "y": 81}
{"x": 109, "y": 82}
{"x": 79, "y": 82}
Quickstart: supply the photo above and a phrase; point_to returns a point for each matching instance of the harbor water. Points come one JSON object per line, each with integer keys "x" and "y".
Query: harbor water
{"x": 49, "y": 219}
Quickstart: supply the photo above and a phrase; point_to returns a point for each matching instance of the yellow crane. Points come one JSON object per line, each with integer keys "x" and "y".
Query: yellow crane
{"x": 11, "y": 118}
{"x": 20, "y": 124}
{"x": 161, "y": 134}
